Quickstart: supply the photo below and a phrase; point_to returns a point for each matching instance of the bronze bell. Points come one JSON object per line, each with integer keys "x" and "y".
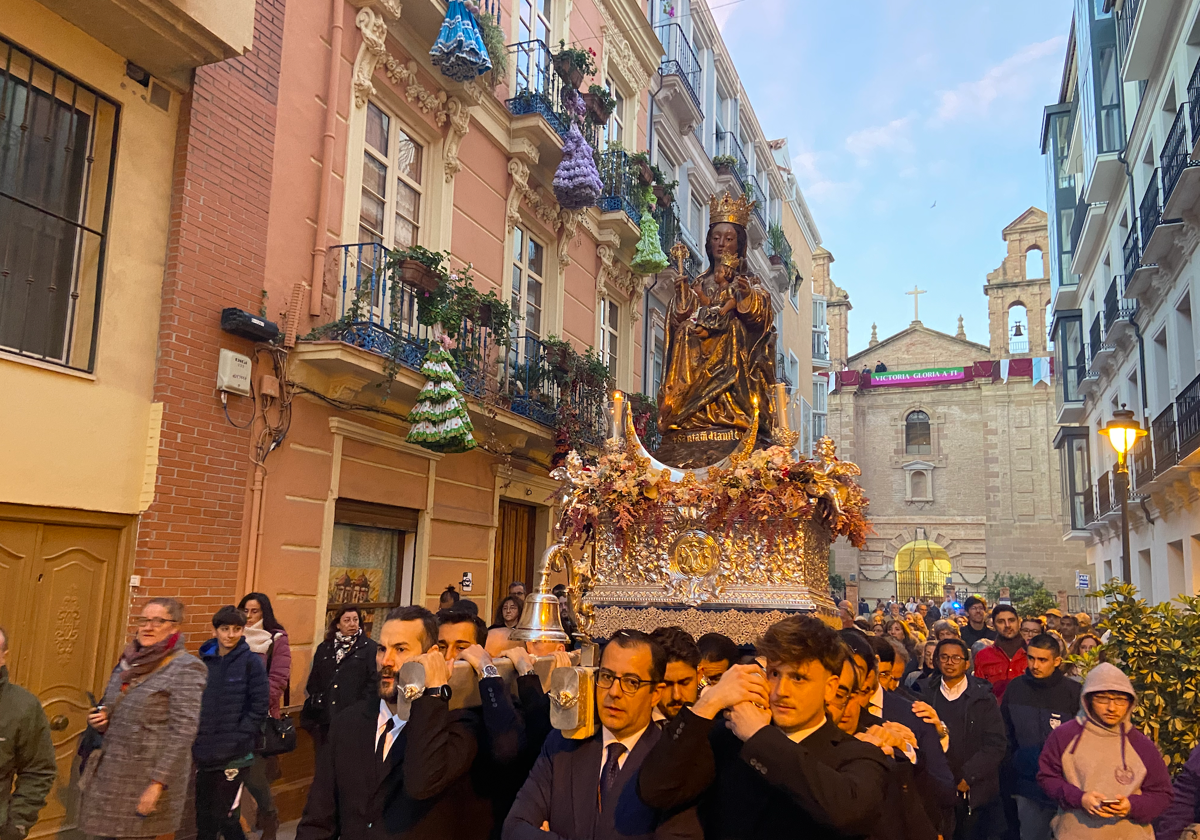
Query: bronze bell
{"x": 1017, "y": 330}
{"x": 540, "y": 618}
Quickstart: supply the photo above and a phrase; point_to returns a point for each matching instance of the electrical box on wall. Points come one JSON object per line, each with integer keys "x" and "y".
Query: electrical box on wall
{"x": 233, "y": 373}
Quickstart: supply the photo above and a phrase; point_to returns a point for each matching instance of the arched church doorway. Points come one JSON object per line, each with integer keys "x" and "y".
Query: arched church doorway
{"x": 922, "y": 567}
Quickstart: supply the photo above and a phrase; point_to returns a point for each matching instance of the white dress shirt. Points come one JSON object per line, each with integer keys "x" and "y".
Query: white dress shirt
{"x": 629, "y": 743}
{"x": 797, "y": 737}
{"x": 385, "y": 714}
{"x": 953, "y": 693}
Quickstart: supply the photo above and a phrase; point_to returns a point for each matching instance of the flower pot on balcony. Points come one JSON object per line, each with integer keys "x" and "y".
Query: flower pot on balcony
{"x": 599, "y": 113}
{"x": 645, "y": 173}
{"x": 567, "y": 71}
{"x": 663, "y": 195}
{"x": 725, "y": 169}
{"x": 776, "y": 260}
{"x": 418, "y": 274}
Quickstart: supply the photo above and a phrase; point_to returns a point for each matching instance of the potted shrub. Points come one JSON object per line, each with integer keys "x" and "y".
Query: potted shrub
{"x": 725, "y": 164}
{"x": 573, "y": 64}
{"x": 664, "y": 191}
{"x": 418, "y": 267}
{"x": 639, "y": 163}
{"x": 777, "y": 243}
{"x": 600, "y": 104}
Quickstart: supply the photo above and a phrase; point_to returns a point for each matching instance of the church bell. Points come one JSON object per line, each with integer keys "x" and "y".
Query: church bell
{"x": 1017, "y": 330}
{"x": 540, "y": 618}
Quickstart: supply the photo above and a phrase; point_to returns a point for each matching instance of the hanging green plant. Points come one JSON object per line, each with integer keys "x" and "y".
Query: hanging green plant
{"x": 649, "y": 258}
{"x": 440, "y": 421}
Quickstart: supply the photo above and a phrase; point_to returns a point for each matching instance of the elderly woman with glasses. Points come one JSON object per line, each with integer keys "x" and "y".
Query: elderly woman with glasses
{"x": 134, "y": 778}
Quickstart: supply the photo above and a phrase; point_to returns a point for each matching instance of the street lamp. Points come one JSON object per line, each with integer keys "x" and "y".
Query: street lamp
{"x": 1123, "y": 431}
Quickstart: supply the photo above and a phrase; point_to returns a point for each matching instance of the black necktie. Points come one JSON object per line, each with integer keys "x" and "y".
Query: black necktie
{"x": 612, "y": 766}
{"x": 387, "y": 727}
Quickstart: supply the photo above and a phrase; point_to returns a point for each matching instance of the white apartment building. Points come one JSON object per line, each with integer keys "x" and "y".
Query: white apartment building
{"x": 1124, "y": 190}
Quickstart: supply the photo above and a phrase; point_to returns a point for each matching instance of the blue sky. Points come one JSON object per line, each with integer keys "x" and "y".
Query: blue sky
{"x": 890, "y": 106}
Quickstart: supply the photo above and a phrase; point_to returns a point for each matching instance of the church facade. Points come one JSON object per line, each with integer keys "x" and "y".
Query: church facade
{"x": 955, "y": 442}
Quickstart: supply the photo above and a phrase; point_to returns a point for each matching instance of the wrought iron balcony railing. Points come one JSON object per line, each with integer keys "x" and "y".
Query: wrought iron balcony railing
{"x": 1116, "y": 306}
{"x": 1142, "y": 458}
{"x": 670, "y": 231}
{"x": 756, "y": 194}
{"x": 1131, "y": 253}
{"x": 537, "y": 88}
{"x": 820, "y": 345}
{"x": 679, "y": 59}
{"x": 1150, "y": 209}
{"x": 378, "y": 313}
{"x": 1125, "y": 18}
{"x": 1166, "y": 444}
{"x": 619, "y": 183}
{"x": 1194, "y": 100}
{"x": 728, "y": 146}
{"x": 1187, "y": 417}
{"x": 1094, "y": 338}
{"x": 1104, "y": 494}
{"x": 1176, "y": 154}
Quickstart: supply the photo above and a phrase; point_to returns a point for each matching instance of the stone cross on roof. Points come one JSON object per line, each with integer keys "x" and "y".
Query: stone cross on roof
{"x": 916, "y": 299}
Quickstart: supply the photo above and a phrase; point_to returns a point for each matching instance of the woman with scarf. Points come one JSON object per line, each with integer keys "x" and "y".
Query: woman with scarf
{"x": 134, "y": 782}
{"x": 343, "y": 672}
{"x": 266, "y": 637}
{"x": 1109, "y": 780}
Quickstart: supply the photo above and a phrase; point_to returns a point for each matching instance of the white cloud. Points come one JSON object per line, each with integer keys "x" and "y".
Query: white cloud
{"x": 1012, "y": 79}
{"x": 893, "y": 136}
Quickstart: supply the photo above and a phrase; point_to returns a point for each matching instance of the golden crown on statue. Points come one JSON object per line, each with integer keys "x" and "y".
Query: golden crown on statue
{"x": 728, "y": 209}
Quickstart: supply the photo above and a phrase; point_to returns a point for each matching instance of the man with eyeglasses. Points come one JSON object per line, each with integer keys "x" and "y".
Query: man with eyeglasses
{"x": 977, "y": 745}
{"x": 758, "y": 753}
{"x": 589, "y": 788}
{"x": 1107, "y": 778}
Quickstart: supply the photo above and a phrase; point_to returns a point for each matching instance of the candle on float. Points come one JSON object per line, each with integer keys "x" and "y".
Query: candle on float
{"x": 618, "y": 406}
{"x": 781, "y": 419}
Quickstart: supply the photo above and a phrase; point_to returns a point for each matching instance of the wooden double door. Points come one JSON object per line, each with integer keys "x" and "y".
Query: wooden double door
{"x": 62, "y": 576}
{"x": 514, "y": 554}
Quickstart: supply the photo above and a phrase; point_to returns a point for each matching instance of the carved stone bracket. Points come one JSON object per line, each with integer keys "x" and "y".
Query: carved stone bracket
{"x": 460, "y": 123}
{"x": 388, "y": 7}
{"x": 373, "y": 52}
{"x": 620, "y": 275}
{"x": 570, "y": 224}
{"x": 546, "y": 209}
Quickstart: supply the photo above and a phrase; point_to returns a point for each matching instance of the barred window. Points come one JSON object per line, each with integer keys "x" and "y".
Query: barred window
{"x": 57, "y": 149}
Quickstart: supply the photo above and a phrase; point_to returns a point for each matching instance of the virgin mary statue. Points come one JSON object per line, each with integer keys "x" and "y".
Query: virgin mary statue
{"x": 720, "y": 353}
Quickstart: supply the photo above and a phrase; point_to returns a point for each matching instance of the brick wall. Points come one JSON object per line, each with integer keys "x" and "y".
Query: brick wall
{"x": 189, "y": 540}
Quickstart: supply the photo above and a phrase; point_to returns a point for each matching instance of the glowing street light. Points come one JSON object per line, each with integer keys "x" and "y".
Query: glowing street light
{"x": 1123, "y": 431}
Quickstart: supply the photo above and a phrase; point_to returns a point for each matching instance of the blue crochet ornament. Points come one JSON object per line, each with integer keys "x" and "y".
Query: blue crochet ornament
{"x": 459, "y": 50}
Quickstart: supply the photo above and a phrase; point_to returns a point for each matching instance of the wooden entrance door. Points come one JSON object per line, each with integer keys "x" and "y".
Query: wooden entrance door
{"x": 514, "y": 549}
{"x": 60, "y": 598}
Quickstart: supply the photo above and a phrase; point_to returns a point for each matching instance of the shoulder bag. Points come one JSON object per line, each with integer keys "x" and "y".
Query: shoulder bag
{"x": 279, "y": 733}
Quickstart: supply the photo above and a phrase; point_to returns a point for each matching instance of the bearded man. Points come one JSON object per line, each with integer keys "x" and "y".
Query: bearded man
{"x": 390, "y": 772}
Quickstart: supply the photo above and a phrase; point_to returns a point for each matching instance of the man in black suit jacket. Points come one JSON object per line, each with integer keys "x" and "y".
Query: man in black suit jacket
{"x": 383, "y": 778}
{"x": 587, "y": 789}
{"x": 780, "y": 768}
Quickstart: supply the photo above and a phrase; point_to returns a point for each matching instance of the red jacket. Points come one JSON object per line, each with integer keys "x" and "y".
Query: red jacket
{"x": 993, "y": 665}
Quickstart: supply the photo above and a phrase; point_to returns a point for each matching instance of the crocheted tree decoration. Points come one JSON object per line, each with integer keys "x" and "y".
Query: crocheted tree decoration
{"x": 439, "y": 419}
{"x": 649, "y": 257}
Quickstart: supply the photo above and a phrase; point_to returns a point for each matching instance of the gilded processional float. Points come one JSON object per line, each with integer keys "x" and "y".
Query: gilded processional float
{"x": 724, "y": 528}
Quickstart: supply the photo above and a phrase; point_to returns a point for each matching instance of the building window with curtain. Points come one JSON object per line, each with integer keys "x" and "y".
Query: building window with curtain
{"x": 610, "y": 333}
{"x": 917, "y": 440}
{"x": 57, "y": 149}
{"x": 528, "y": 284}
{"x": 390, "y": 209}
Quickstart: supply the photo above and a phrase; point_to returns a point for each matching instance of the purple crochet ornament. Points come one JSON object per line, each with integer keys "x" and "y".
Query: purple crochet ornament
{"x": 576, "y": 181}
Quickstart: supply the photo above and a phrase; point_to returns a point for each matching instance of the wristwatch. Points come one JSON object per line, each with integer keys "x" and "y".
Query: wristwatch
{"x": 441, "y": 691}
{"x": 490, "y": 671}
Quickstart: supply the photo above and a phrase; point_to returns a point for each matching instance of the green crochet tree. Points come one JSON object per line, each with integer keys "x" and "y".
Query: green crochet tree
{"x": 439, "y": 419}
{"x": 649, "y": 257}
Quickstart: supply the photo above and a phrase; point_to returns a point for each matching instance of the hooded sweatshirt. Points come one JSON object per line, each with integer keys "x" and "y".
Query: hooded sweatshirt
{"x": 1084, "y": 755}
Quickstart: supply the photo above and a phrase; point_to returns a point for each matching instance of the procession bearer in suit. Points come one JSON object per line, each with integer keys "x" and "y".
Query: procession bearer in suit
{"x": 588, "y": 789}
{"x": 382, "y": 777}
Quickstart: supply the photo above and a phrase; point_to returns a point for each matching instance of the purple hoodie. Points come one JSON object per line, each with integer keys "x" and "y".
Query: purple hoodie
{"x": 1084, "y": 755}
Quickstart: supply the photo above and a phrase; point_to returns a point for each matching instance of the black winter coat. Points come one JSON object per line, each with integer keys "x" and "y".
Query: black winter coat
{"x": 340, "y": 685}
{"x": 233, "y": 707}
{"x": 829, "y": 786}
{"x": 984, "y": 733}
{"x": 1032, "y": 709}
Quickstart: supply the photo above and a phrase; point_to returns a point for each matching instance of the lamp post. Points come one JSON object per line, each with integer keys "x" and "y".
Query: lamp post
{"x": 1123, "y": 432}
